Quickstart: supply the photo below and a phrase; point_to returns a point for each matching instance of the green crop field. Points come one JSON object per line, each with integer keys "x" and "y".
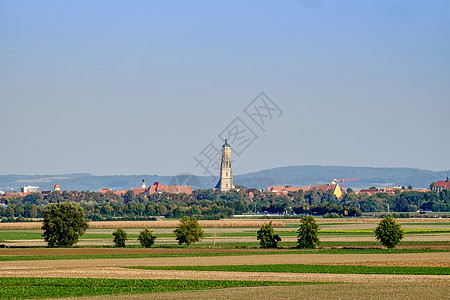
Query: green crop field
{"x": 213, "y": 253}
{"x": 39, "y": 288}
{"x": 291, "y": 268}
{"x": 227, "y": 252}
{"x": 91, "y": 234}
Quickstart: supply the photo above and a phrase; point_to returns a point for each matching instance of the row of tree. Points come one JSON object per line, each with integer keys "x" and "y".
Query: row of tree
{"x": 388, "y": 232}
{"x": 64, "y": 223}
{"x": 213, "y": 204}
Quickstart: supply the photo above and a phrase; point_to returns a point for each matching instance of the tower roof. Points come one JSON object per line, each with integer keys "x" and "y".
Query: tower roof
{"x": 226, "y": 143}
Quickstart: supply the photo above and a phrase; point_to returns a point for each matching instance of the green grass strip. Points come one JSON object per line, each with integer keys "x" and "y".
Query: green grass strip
{"x": 371, "y": 231}
{"x": 212, "y": 253}
{"x": 290, "y": 268}
{"x": 12, "y": 235}
{"x": 38, "y": 288}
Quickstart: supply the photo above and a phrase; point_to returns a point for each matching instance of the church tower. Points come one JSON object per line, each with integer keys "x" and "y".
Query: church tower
{"x": 226, "y": 178}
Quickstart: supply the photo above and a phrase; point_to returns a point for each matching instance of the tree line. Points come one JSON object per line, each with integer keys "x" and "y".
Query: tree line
{"x": 64, "y": 223}
{"x": 214, "y": 204}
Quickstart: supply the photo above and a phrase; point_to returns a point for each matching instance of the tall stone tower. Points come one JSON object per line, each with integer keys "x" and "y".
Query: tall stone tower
{"x": 226, "y": 178}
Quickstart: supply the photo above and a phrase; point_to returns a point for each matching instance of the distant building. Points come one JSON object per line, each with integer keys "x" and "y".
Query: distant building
{"x": 226, "y": 177}
{"x": 284, "y": 190}
{"x": 327, "y": 187}
{"x": 30, "y": 189}
{"x": 251, "y": 193}
{"x": 56, "y": 188}
{"x": 370, "y": 191}
{"x": 389, "y": 190}
{"x": 153, "y": 189}
{"x": 441, "y": 185}
{"x": 171, "y": 189}
{"x": 14, "y": 194}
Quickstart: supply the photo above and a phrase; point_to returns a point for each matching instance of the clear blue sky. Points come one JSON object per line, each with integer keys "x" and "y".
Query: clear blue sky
{"x": 142, "y": 87}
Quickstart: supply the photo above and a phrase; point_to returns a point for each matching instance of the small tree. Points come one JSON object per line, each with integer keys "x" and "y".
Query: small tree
{"x": 307, "y": 233}
{"x": 188, "y": 231}
{"x": 146, "y": 238}
{"x": 63, "y": 224}
{"x": 388, "y": 232}
{"x": 267, "y": 238}
{"x": 120, "y": 236}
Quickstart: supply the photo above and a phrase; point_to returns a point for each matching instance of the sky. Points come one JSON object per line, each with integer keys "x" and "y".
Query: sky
{"x": 154, "y": 87}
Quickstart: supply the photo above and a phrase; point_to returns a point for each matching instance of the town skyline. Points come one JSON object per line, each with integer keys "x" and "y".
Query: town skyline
{"x": 296, "y": 176}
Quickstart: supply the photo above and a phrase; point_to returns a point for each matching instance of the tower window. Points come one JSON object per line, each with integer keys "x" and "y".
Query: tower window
{"x": 226, "y": 174}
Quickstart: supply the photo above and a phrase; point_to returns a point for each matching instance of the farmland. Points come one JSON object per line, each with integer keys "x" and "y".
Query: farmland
{"x": 349, "y": 257}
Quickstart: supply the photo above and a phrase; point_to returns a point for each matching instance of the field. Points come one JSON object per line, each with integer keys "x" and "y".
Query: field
{"x": 227, "y": 264}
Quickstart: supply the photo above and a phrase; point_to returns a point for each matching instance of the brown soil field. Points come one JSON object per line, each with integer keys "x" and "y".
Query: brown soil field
{"x": 374, "y": 225}
{"x": 355, "y": 286}
{"x": 218, "y": 223}
{"x": 153, "y": 224}
{"x": 367, "y": 290}
{"x": 437, "y": 259}
{"x": 375, "y": 220}
{"x": 98, "y": 251}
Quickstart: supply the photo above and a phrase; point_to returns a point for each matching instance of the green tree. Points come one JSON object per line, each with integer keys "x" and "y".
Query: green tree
{"x": 267, "y": 238}
{"x": 307, "y": 233}
{"x": 188, "y": 231}
{"x": 63, "y": 224}
{"x": 388, "y": 232}
{"x": 431, "y": 185}
{"x": 120, "y": 236}
{"x": 146, "y": 238}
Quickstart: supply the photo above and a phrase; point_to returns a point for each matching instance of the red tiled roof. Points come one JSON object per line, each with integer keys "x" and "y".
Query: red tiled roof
{"x": 332, "y": 187}
{"x": 158, "y": 185}
{"x": 369, "y": 191}
{"x": 442, "y": 184}
{"x": 138, "y": 191}
{"x": 121, "y": 192}
{"x": 275, "y": 188}
{"x": 323, "y": 187}
{"x": 176, "y": 189}
{"x": 13, "y": 194}
{"x": 281, "y": 190}
{"x": 294, "y": 189}
{"x": 159, "y": 188}
{"x": 152, "y": 189}
{"x": 320, "y": 187}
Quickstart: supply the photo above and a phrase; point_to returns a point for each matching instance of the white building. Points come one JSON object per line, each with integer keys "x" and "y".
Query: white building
{"x": 30, "y": 189}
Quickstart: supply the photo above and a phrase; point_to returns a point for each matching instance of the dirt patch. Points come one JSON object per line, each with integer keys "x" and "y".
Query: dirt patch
{"x": 121, "y": 273}
{"x": 219, "y": 223}
{"x": 154, "y": 224}
{"x": 438, "y": 259}
{"x": 360, "y": 285}
{"x": 361, "y": 290}
{"x": 100, "y": 251}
